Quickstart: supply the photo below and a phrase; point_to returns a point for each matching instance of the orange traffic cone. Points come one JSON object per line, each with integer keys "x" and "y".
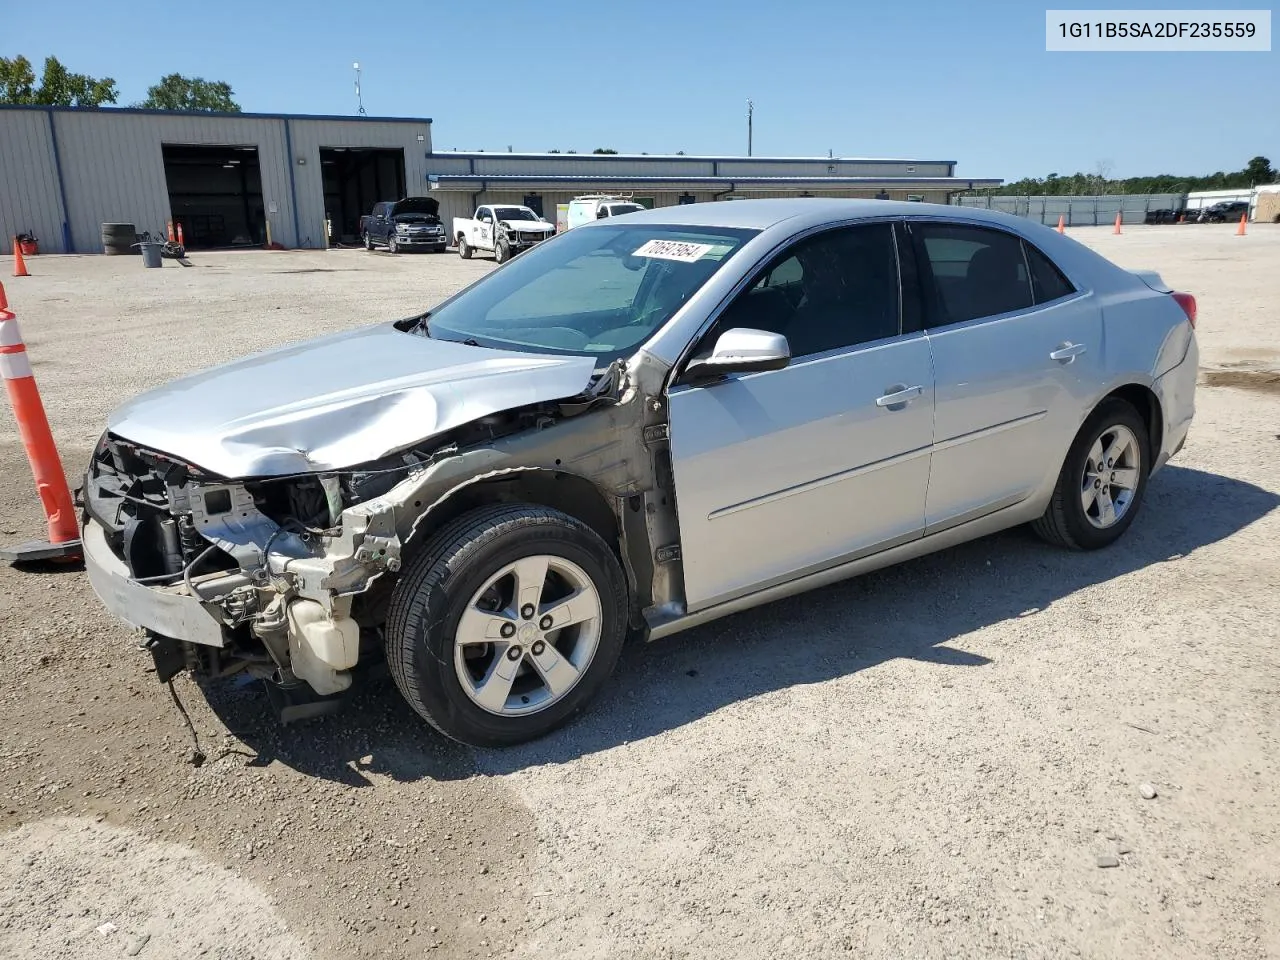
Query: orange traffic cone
{"x": 33, "y": 427}
{"x": 1240, "y": 229}
{"x": 19, "y": 264}
{"x": 1117, "y": 229}
{"x": 1062, "y": 226}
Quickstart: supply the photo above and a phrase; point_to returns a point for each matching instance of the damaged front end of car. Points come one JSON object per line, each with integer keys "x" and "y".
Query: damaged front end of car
{"x": 288, "y": 577}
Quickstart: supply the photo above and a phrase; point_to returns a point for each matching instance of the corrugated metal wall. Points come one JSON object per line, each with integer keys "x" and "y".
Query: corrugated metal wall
{"x": 29, "y": 201}
{"x": 113, "y": 167}
{"x": 559, "y": 164}
{"x": 1079, "y": 211}
{"x": 309, "y": 136}
{"x": 459, "y": 204}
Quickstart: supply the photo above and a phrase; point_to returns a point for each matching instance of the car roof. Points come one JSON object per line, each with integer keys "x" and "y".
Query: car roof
{"x": 763, "y": 214}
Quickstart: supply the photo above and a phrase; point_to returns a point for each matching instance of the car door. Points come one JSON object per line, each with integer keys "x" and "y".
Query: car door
{"x": 484, "y": 228}
{"x": 1016, "y": 350}
{"x": 788, "y": 471}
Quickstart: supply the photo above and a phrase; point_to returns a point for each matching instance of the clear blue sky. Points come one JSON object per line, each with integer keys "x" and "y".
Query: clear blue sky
{"x": 969, "y": 82}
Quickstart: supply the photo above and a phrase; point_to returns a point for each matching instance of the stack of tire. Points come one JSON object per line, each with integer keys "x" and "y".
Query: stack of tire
{"x": 119, "y": 238}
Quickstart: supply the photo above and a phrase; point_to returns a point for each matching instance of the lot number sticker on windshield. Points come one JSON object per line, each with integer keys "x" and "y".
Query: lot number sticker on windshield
{"x": 674, "y": 250}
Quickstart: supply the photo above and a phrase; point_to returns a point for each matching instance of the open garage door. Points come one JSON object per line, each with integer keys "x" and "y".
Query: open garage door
{"x": 354, "y": 180}
{"x": 216, "y": 194}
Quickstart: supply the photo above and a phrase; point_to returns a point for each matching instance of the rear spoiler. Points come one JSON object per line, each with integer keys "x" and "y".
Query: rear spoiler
{"x": 1185, "y": 300}
{"x": 1152, "y": 280}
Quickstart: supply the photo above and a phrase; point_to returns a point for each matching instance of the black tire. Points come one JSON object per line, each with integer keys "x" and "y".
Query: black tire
{"x": 368, "y": 241}
{"x": 1064, "y": 522}
{"x": 118, "y": 239}
{"x": 464, "y": 248}
{"x": 392, "y": 245}
{"x": 435, "y": 588}
{"x": 502, "y": 252}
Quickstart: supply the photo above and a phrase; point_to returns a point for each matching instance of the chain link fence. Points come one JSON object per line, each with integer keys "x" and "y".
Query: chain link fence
{"x": 1086, "y": 211}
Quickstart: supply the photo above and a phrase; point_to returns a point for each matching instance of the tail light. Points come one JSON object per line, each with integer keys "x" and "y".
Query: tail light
{"x": 1188, "y": 304}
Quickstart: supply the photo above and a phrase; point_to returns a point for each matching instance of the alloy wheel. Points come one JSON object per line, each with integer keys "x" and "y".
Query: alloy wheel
{"x": 527, "y": 635}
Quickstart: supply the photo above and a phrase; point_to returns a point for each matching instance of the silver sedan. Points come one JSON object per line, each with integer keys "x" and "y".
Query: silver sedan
{"x": 638, "y": 426}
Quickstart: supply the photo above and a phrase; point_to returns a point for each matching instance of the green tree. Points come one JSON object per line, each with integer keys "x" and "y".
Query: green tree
{"x": 1256, "y": 171}
{"x": 195, "y": 94}
{"x": 1259, "y": 170}
{"x": 604, "y": 150}
{"x": 58, "y": 87}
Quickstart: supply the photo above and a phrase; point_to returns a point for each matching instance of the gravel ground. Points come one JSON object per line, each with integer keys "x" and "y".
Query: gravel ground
{"x": 943, "y": 759}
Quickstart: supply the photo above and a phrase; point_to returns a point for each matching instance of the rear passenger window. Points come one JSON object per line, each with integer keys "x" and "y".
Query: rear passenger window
{"x": 974, "y": 272}
{"x": 1046, "y": 280}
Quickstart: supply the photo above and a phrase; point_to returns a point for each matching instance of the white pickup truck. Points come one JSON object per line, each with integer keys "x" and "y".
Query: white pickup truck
{"x": 506, "y": 229}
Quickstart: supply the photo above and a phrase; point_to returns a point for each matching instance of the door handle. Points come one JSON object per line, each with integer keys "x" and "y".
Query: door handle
{"x": 900, "y": 397}
{"x": 1068, "y": 352}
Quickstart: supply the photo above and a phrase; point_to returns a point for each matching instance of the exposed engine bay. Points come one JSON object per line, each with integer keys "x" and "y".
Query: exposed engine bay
{"x": 292, "y": 573}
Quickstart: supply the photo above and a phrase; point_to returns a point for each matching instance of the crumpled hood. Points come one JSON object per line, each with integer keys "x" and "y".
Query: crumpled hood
{"x": 529, "y": 226}
{"x": 338, "y": 401}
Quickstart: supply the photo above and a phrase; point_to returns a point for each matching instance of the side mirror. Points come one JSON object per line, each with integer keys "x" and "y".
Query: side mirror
{"x": 740, "y": 350}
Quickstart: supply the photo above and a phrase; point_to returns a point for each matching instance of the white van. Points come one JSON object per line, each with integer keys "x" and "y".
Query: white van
{"x": 597, "y": 207}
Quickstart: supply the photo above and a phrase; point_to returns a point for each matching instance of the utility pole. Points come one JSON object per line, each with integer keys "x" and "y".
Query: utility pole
{"x": 750, "y": 110}
{"x": 359, "y": 100}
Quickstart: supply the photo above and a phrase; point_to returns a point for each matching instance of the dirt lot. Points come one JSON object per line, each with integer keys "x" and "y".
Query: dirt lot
{"x": 925, "y": 762}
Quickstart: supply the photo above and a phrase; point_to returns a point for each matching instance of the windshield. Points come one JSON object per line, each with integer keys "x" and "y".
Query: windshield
{"x": 600, "y": 291}
{"x": 514, "y": 213}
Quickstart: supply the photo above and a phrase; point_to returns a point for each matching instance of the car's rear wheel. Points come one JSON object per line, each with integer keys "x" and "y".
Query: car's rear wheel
{"x": 508, "y": 621}
{"x": 464, "y": 248}
{"x": 1102, "y": 481}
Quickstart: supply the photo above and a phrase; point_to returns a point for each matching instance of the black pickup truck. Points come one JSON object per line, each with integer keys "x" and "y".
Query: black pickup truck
{"x": 409, "y": 224}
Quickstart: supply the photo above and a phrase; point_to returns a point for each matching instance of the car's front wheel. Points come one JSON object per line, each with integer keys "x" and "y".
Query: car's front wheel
{"x": 392, "y": 245}
{"x": 1102, "y": 482}
{"x": 506, "y": 623}
{"x": 502, "y": 253}
{"x": 368, "y": 241}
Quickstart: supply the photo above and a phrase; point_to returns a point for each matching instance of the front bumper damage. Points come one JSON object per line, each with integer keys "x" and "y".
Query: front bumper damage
{"x": 278, "y": 601}
{"x": 230, "y": 575}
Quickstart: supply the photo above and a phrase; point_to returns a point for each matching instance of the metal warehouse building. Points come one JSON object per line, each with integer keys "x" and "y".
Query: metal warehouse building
{"x": 461, "y": 181}
{"x": 304, "y": 181}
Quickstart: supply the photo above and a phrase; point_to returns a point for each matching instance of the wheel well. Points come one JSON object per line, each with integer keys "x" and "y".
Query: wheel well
{"x": 1148, "y": 406}
{"x": 566, "y": 492}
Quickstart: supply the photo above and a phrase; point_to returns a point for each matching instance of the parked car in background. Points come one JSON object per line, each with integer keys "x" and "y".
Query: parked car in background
{"x": 1162, "y": 216}
{"x": 503, "y": 228}
{"x": 654, "y": 421}
{"x": 594, "y": 207}
{"x": 1226, "y": 210}
{"x": 409, "y": 224}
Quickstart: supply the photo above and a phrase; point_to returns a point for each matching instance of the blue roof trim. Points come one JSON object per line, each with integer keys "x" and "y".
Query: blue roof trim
{"x": 610, "y": 157}
{"x": 587, "y": 178}
{"x": 207, "y": 113}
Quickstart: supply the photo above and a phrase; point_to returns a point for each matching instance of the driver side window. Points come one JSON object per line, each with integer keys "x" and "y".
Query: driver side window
{"x": 832, "y": 290}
